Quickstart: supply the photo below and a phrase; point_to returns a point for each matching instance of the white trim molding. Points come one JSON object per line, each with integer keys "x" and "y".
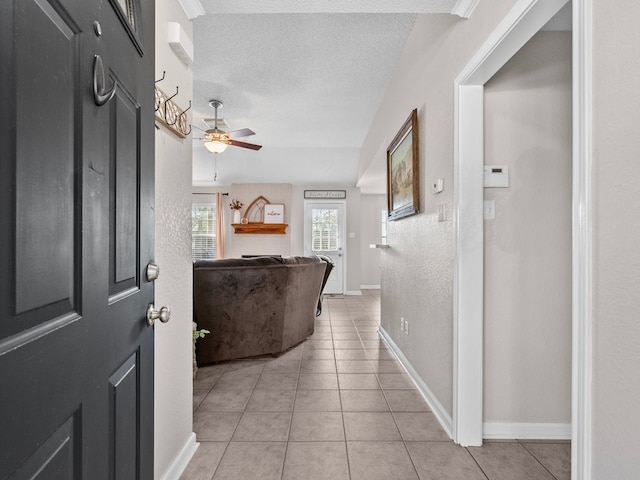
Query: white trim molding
{"x": 468, "y": 288}
{"x": 179, "y": 464}
{"x": 464, "y": 8}
{"x": 443, "y": 417}
{"x": 527, "y": 431}
{"x": 369, "y": 287}
{"x": 522, "y": 22}
{"x": 192, "y": 8}
{"x": 582, "y": 242}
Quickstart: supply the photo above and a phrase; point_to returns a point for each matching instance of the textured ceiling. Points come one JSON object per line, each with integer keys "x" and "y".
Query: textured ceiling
{"x": 306, "y": 76}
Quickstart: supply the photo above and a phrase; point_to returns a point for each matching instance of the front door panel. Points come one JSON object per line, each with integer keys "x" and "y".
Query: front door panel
{"x": 76, "y": 230}
{"x": 124, "y": 127}
{"x": 324, "y": 235}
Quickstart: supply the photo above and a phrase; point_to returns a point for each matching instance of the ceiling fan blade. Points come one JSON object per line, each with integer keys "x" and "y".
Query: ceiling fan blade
{"x": 245, "y": 132}
{"x": 236, "y": 143}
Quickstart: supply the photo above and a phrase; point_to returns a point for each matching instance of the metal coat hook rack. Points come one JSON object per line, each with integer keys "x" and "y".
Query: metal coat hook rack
{"x": 159, "y": 103}
{"x": 183, "y": 116}
{"x": 169, "y": 114}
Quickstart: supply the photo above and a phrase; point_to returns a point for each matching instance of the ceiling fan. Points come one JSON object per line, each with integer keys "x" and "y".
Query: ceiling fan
{"x": 217, "y": 141}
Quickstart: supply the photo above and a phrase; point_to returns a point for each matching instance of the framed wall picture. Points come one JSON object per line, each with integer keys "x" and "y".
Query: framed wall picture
{"x": 273, "y": 213}
{"x": 403, "y": 176}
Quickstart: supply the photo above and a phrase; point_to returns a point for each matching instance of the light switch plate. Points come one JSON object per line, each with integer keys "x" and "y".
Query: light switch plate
{"x": 489, "y": 210}
{"x": 442, "y": 212}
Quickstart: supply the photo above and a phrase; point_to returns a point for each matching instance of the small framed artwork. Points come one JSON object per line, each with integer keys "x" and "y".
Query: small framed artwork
{"x": 403, "y": 176}
{"x": 273, "y": 213}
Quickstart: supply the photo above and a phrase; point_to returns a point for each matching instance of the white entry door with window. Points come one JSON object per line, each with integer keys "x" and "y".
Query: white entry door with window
{"x": 324, "y": 235}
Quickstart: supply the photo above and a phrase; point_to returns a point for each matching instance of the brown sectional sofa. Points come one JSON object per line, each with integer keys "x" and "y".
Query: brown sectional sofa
{"x": 256, "y": 306}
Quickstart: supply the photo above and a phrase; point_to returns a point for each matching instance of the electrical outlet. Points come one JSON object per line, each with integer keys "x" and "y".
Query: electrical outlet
{"x": 406, "y": 327}
{"x": 402, "y": 324}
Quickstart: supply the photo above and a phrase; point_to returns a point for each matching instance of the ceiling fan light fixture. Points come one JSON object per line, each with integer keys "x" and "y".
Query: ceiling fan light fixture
{"x": 217, "y": 141}
{"x": 216, "y": 146}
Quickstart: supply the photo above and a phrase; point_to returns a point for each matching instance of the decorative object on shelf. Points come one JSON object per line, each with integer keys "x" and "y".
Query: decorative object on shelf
{"x": 403, "y": 177}
{"x": 274, "y": 213}
{"x": 256, "y": 219}
{"x": 236, "y": 205}
{"x": 255, "y": 210}
{"x": 169, "y": 114}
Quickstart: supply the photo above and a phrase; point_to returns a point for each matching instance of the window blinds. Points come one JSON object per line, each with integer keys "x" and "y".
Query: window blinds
{"x": 203, "y": 231}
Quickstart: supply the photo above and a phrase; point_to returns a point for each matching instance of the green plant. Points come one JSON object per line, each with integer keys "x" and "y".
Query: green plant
{"x": 199, "y": 334}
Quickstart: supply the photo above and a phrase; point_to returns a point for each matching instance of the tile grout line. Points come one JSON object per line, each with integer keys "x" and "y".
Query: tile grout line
{"x": 536, "y": 458}
{"x": 476, "y": 462}
{"x": 293, "y": 408}
{"x": 344, "y": 428}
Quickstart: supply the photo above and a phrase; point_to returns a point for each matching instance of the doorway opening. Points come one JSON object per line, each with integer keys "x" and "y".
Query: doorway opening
{"x": 523, "y": 21}
{"x": 527, "y": 242}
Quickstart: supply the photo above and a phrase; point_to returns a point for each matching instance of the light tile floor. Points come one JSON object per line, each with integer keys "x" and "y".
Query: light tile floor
{"x": 341, "y": 407}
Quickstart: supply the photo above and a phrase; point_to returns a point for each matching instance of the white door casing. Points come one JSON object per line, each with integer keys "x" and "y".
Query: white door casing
{"x": 521, "y": 23}
{"x": 324, "y": 234}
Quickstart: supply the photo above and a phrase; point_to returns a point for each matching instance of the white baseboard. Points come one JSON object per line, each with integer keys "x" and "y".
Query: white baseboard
{"x": 526, "y": 431}
{"x": 436, "y": 407}
{"x": 369, "y": 287}
{"x": 353, "y": 292}
{"x": 181, "y": 461}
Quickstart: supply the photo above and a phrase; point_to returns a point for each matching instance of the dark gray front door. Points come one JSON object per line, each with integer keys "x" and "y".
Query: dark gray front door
{"x": 76, "y": 234}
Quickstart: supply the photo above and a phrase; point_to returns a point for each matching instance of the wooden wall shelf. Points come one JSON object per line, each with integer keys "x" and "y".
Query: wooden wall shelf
{"x": 260, "y": 228}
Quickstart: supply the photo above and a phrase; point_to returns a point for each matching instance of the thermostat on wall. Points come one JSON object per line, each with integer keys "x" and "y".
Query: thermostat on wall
{"x": 496, "y": 176}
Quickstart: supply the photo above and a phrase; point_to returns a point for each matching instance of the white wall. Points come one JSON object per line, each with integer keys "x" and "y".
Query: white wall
{"x": 371, "y": 208}
{"x": 616, "y": 251}
{"x": 527, "y": 256}
{"x": 258, "y": 244}
{"x": 417, "y": 269}
{"x": 174, "y": 439}
{"x": 435, "y": 53}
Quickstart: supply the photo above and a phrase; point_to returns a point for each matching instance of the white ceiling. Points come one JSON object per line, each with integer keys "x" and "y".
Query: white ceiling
{"x": 306, "y": 75}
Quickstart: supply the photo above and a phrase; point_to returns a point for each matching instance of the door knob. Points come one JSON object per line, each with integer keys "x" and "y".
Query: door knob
{"x": 164, "y": 314}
